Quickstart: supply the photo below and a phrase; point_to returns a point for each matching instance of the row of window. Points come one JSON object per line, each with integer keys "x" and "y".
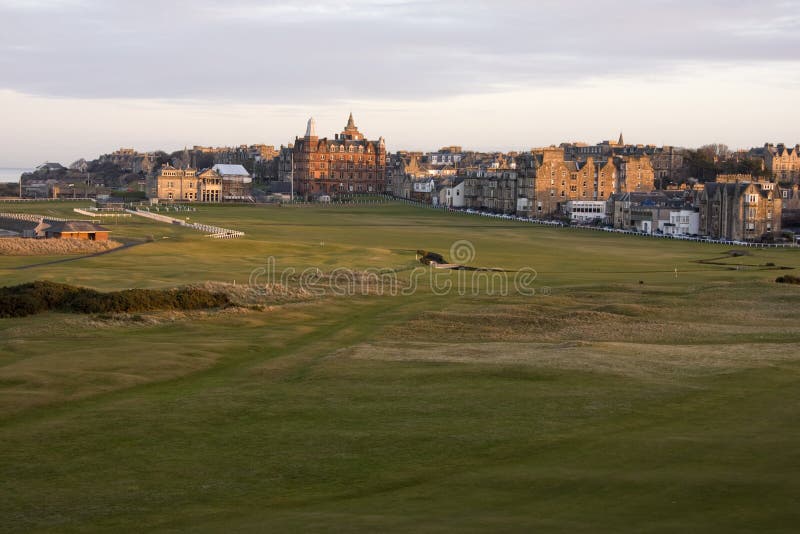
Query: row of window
{"x": 171, "y": 185}
{"x": 341, "y": 148}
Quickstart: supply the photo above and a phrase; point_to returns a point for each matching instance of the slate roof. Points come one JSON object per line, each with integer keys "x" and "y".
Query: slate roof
{"x": 230, "y": 170}
{"x": 62, "y": 227}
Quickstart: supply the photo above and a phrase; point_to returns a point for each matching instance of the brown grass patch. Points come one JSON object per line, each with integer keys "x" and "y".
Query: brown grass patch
{"x": 637, "y": 360}
{"x": 576, "y": 321}
{"x": 265, "y": 294}
{"x": 18, "y": 246}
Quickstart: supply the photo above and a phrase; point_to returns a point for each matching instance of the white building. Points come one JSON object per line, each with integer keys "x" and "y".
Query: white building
{"x": 584, "y": 211}
{"x": 682, "y": 221}
{"x": 424, "y": 186}
{"x": 452, "y": 196}
{"x": 444, "y": 158}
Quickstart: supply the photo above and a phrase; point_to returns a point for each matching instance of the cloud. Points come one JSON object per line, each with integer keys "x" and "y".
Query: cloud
{"x": 329, "y": 51}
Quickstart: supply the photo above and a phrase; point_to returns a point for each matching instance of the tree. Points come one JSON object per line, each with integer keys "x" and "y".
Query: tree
{"x": 701, "y": 164}
{"x": 717, "y": 151}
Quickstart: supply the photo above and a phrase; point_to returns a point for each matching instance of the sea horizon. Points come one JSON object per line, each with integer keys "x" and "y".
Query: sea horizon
{"x": 12, "y": 174}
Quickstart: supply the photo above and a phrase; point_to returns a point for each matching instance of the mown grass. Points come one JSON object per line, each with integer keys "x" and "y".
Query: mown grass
{"x": 600, "y": 404}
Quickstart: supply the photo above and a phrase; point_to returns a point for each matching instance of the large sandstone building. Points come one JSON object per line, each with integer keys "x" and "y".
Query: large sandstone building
{"x": 740, "y": 210}
{"x": 783, "y": 162}
{"x": 557, "y": 180}
{"x": 346, "y": 164}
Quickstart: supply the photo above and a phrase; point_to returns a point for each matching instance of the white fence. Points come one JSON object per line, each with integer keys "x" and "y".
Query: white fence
{"x": 93, "y": 213}
{"x": 214, "y": 232}
{"x": 33, "y": 217}
{"x": 22, "y": 217}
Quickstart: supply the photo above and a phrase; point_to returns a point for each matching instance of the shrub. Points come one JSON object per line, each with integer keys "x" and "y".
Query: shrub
{"x": 788, "y": 279}
{"x": 40, "y": 296}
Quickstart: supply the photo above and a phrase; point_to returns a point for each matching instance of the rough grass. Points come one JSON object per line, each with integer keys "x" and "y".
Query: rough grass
{"x": 17, "y": 246}
{"x": 257, "y": 295}
{"x": 643, "y": 361}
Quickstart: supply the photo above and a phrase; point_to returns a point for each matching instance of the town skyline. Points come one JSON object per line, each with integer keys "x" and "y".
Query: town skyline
{"x": 324, "y": 131}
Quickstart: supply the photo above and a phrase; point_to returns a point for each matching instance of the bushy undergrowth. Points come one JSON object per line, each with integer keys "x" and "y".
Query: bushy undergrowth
{"x": 788, "y": 279}
{"x": 40, "y": 296}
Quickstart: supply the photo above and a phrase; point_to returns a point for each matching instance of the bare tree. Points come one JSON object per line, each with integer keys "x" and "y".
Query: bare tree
{"x": 716, "y": 151}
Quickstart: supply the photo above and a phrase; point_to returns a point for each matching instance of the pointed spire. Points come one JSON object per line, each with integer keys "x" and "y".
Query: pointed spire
{"x": 351, "y": 124}
{"x": 311, "y": 128}
{"x": 621, "y": 140}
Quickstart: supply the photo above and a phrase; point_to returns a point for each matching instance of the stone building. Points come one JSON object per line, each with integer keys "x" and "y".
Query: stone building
{"x": 283, "y": 163}
{"x": 783, "y": 162}
{"x": 558, "y": 181}
{"x": 236, "y": 182}
{"x": 187, "y": 185}
{"x": 129, "y": 160}
{"x": 496, "y": 190}
{"x": 174, "y": 184}
{"x": 449, "y": 155}
{"x": 738, "y": 178}
{"x": 663, "y": 212}
{"x": 636, "y": 174}
{"x": 346, "y": 164}
{"x": 210, "y": 187}
{"x": 402, "y": 168}
{"x": 739, "y": 211}
{"x": 669, "y": 165}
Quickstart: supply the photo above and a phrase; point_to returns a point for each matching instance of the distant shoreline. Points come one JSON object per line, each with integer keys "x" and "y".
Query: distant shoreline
{"x": 12, "y": 174}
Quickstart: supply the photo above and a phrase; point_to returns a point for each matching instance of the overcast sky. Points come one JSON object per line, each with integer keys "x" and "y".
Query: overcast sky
{"x": 83, "y": 77}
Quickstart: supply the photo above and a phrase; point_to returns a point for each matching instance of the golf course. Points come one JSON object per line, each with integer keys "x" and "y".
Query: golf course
{"x": 623, "y": 384}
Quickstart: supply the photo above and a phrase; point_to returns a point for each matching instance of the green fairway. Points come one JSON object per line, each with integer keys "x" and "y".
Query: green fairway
{"x": 630, "y": 387}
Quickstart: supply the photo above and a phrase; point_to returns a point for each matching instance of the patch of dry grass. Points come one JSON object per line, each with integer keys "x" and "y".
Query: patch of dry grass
{"x": 757, "y": 313}
{"x": 18, "y": 246}
{"x": 261, "y": 295}
{"x": 342, "y": 283}
{"x": 636, "y": 360}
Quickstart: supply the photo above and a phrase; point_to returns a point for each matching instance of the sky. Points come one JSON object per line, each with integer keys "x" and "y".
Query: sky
{"x": 79, "y": 78}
